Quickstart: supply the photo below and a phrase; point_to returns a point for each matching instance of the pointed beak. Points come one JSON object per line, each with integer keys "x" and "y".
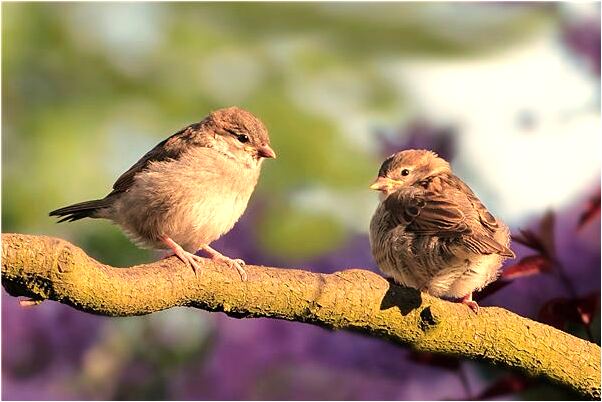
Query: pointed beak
{"x": 382, "y": 184}
{"x": 265, "y": 151}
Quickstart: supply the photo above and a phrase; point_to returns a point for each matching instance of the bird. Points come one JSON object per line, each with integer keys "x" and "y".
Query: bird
{"x": 431, "y": 232}
{"x": 189, "y": 189}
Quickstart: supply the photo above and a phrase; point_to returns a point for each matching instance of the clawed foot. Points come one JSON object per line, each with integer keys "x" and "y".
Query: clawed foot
{"x": 232, "y": 263}
{"x": 193, "y": 260}
{"x": 470, "y": 303}
{"x": 188, "y": 258}
{"x": 29, "y": 302}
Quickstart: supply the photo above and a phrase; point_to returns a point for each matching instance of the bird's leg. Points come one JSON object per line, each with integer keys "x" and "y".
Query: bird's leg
{"x": 470, "y": 303}
{"x": 185, "y": 256}
{"x": 29, "y": 302}
{"x": 236, "y": 263}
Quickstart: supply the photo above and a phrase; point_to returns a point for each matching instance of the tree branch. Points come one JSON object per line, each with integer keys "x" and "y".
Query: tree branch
{"x": 49, "y": 268}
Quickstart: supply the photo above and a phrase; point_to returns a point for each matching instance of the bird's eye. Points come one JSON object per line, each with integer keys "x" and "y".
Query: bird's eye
{"x": 405, "y": 172}
{"x": 242, "y": 138}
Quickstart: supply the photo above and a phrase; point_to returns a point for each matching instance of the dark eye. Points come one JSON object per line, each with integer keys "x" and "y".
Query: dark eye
{"x": 242, "y": 138}
{"x": 405, "y": 172}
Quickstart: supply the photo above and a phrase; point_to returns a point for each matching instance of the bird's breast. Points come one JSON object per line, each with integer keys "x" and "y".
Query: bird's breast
{"x": 194, "y": 200}
{"x": 218, "y": 198}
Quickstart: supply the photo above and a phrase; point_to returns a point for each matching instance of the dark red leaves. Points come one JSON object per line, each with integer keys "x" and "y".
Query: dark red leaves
{"x": 541, "y": 241}
{"x": 592, "y": 210}
{"x": 546, "y": 234}
{"x": 587, "y": 307}
{"x": 560, "y": 311}
{"x": 528, "y": 266}
{"x": 529, "y": 239}
{"x": 491, "y": 289}
{"x": 446, "y": 362}
{"x": 557, "y": 312}
{"x": 505, "y": 385}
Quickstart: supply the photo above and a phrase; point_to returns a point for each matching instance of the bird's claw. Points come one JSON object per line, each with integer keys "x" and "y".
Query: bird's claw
{"x": 471, "y": 303}
{"x": 233, "y": 263}
{"x": 192, "y": 260}
{"x": 473, "y": 306}
{"x": 29, "y": 302}
{"x": 188, "y": 258}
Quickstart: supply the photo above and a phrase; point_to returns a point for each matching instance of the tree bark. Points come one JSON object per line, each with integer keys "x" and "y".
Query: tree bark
{"x": 43, "y": 268}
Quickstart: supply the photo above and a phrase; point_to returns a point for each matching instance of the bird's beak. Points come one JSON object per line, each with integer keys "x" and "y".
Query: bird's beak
{"x": 383, "y": 184}
{"x": 265, "y": 151}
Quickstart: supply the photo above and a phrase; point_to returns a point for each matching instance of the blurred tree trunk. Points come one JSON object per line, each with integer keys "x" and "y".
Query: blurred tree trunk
{"x": 43, "y": 268}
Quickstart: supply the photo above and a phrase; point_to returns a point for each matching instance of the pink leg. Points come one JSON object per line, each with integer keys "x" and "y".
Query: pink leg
{"x": 470, "y": 303}
{"x": 236, "y": 263}
{"x": 28, "y": 302}
{"x": 185, "y": 256}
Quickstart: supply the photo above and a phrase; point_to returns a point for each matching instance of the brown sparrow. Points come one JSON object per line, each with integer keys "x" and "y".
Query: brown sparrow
{"x": 188, "y": 190}
{"x": 431, "y": 232}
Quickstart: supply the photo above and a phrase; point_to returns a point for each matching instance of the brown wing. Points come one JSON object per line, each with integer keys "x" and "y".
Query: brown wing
{"x": 170, "y": 148}
{"x": 429, "y": 213}
{"x": 486, "y": 218}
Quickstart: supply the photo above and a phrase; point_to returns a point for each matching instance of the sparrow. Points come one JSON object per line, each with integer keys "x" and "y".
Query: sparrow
{"x": 431, "y": 232}
{"x": 188, "y": 190}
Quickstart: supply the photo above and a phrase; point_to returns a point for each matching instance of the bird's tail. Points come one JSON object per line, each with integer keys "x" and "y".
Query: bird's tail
{"x": 86, "y": 209}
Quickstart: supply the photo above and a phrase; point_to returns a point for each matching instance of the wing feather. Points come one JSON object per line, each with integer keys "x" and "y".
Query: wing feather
{"x": 486, "y": 218}
{"x": 428, "y": 213}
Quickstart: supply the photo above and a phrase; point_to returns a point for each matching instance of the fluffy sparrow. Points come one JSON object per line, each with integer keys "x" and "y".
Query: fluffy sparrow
{"x": 188, "y": 190}
{"x": 431, "y": 232}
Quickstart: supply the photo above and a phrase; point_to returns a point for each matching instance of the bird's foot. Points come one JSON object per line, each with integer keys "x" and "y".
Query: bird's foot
{"x": 470, "y": 303}
{"x": 30, "y": 302}
{"x": 188, "y": 258}
{"x": 232, "y": 262}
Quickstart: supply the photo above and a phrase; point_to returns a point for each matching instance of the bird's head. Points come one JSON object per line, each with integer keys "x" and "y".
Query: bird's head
{"x": 408, "y": 168}
{"x": 238, "y": 133}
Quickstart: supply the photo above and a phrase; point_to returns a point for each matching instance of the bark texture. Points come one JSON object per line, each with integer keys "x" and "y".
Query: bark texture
{"x": 43, "y": 268}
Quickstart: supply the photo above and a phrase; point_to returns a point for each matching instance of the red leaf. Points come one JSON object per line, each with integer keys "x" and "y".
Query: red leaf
{"x": 491, "y": 289}
{"x": 592, "y": 210}
{"x": 543, "y": 240}
{"x": 506, "y": 385}
{"x": 528, "y": 266}
{"x": 557, "y": 312}
{"x": 587, "y": 306}
{"x": 446, "y": 362}
{"x": 531, "y": 240}
{"x": 546, "y": 232}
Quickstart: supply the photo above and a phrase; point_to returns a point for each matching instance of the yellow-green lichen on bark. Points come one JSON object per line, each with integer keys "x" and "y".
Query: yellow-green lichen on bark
{"x": 48, "y": 268}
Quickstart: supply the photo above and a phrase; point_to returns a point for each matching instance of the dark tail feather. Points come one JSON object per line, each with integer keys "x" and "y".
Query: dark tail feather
{"x": 86, "y": 209}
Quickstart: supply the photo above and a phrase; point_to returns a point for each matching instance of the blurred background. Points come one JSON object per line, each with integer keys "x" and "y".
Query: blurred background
{"x": 509, "y": 93}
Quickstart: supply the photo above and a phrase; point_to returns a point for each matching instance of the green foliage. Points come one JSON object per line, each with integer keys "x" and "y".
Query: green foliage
{"x": 88, "y": 88}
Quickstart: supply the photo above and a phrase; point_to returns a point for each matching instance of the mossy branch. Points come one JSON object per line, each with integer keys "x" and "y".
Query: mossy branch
{"x": 49, "y": 268}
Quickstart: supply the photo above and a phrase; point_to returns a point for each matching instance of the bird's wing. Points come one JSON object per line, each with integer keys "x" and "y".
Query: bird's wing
{"x": 486, "y": 218}
{"x": 430, "y": 214}
{"x": 427, "y": 213}
{"x": 170, "y": 148}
